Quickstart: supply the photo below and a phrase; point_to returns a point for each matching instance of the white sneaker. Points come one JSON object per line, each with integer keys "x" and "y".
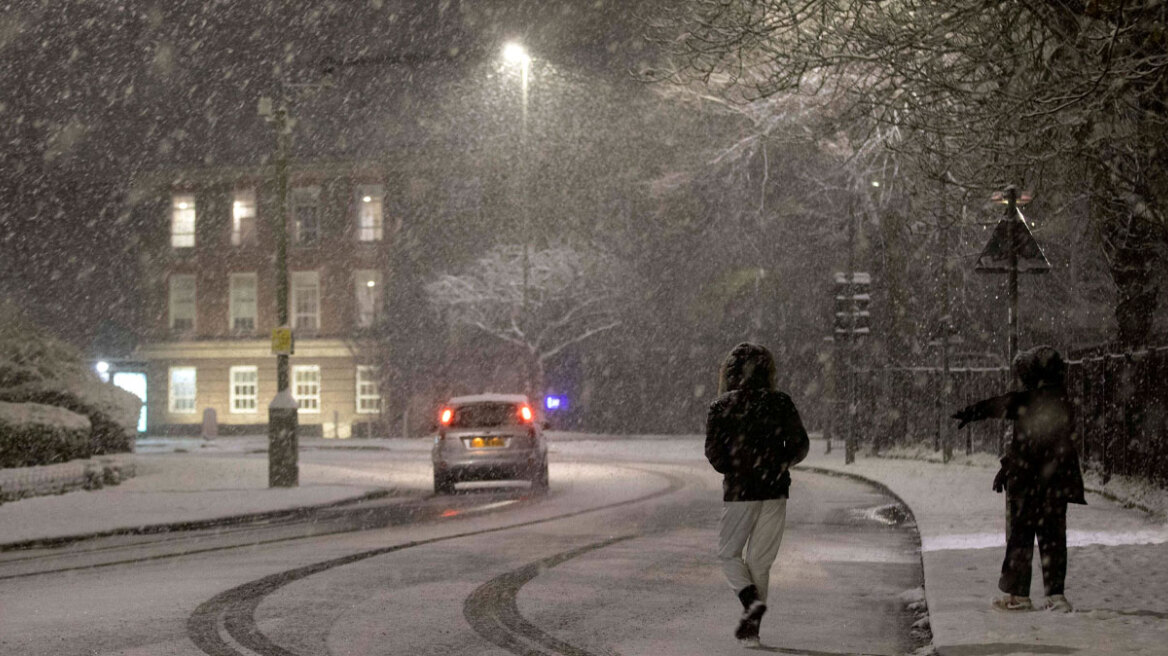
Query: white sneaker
{"x": 1013, "y": 603}
{"x": 1058, "y": 603}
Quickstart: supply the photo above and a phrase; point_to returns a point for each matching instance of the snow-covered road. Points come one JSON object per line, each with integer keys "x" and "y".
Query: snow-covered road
{"x": 616, "y": 560}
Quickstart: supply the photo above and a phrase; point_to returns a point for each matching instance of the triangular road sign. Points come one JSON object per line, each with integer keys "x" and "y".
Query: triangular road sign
{"x": 995, "y": 257}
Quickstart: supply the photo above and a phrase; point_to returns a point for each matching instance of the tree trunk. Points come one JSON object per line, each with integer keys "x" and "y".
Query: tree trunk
{"x": 1133, "y": 268}
{"x": 535, "y": 373}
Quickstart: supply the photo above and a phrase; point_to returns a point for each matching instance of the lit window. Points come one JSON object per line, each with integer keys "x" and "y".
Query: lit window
{"x": 368, "y": 398}
{"x": 243, "y": 218}
{"x": 244, "y": 389}
{"x": 306, "y": 215}
{"x": 243, "y": 302}
{"x": 182, "y": 221}
{"x": 369, "y": 292}
{"x": 182, "y": 302}
{"x": 369, "y": 212}
{"x": 306, "y": 300}
{"x": 183, "y": 389}
{"x": 306, "y": 387}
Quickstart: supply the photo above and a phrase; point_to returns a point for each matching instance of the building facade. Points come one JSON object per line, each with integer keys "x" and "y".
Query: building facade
{"x": 209, "y": 267}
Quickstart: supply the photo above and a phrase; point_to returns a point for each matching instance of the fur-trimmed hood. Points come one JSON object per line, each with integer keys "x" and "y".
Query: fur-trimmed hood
{"x": 1041, "y": 366}
{"x": 748, "y": 366}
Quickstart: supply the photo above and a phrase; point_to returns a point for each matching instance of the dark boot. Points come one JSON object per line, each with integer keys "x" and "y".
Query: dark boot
{"x": 752, "y": 612}
{"x": 748, "y": 596}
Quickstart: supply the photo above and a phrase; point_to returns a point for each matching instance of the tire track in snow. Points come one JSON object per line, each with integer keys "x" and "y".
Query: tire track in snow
{"x": 493, "y": 612}
{"x": 225, "y": 624}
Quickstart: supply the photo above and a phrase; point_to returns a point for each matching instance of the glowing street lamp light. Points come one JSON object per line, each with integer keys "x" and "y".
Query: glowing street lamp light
{"x": 515, "y": 53}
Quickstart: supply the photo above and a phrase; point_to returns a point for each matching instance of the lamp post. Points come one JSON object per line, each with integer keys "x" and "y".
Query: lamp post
{"x": 516, "y": 55}
{"x": 283, "y": 412}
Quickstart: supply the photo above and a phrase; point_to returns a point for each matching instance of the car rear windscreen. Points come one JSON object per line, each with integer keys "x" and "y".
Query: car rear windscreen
{"x": 485, "y": 415}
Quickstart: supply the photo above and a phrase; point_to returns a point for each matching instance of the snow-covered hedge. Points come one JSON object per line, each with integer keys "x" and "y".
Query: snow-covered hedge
{"x": 34, "y": 434}
{"x": 38, "y": 368}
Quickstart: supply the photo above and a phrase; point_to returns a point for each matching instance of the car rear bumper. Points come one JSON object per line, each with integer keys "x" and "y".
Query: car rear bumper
{"x": 464, "y": 465}
{"x": 488, "y": 472}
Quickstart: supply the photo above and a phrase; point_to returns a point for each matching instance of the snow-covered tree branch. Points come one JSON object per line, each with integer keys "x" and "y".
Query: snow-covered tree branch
{"x": 571, "y": 295}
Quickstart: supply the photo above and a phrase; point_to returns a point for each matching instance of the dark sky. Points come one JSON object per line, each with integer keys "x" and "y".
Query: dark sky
{"x": 95, "y": 94}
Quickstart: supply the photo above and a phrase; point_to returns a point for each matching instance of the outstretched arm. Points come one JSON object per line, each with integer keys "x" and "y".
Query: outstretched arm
{"x": 998, "y": 407}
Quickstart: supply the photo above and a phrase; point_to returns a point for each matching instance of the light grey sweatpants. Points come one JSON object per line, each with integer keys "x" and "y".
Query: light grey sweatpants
{"x": 757, "y": 528}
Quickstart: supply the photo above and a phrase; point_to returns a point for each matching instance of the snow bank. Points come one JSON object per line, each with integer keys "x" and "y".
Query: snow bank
{"x": 37, "y": 368}
{"x": 46, "y": 415}
{"x": 35, "y": 434}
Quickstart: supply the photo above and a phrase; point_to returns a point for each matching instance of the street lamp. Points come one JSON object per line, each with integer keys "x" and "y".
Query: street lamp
{"x": 516, "y": 55}
{"x": 283, "y": 413}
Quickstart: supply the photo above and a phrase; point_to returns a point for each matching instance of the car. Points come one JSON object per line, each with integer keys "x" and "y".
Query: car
{"x": 489, "y": 437}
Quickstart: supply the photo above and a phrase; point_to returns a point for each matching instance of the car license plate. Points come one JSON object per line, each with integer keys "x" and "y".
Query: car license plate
{"x": 485, "y": 442}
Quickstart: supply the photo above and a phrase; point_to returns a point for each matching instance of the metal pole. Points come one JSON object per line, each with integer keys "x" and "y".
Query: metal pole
{"x": 833, "y": 381}
{"x": 1012, "y": 290}
{"x": 946, "y": 321}
{"x": 853, "y": 401}
{"x": 283, "y": 447}
{"x": 1012, "y": 284}
{"x": 280, "y": 222}
{"x": 526, "y": 192}
{"x": 525, "y": 201}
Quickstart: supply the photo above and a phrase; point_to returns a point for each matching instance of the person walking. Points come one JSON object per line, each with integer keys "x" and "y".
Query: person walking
{"x": 753, "y": 437}
{"x": 1040, "y": 474}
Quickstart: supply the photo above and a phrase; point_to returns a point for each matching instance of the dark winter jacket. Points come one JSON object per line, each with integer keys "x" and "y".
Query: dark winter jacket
{"x": 1041, "y": 459}
{"x": 753, "y": 432}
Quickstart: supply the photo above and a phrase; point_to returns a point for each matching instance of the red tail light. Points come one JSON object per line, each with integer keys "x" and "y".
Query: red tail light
{"x": 525, "y": 414}
{"x": 446, "y": 416}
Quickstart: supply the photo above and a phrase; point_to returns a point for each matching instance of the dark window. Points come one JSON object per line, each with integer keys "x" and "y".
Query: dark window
{"x": 306, "y": 215}
{"x": 307, "y": 224}
{"x": 485, "y": 415}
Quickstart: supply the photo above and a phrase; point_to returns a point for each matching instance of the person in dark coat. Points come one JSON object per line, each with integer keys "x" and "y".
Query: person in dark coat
{"x": 1040, "y": 474}
{"x": 753, "y": 437}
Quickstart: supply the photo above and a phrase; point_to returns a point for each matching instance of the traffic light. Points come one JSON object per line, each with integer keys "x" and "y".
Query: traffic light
{"x": 851, "y": 305}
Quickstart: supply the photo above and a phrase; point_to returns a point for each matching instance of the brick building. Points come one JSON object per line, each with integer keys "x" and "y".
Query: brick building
{"x": 208, "y": 264}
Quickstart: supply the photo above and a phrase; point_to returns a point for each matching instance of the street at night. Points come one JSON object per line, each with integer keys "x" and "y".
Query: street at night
{"x": 583, "y": 327}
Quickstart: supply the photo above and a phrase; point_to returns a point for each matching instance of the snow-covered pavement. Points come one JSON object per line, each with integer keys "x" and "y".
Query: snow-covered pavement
{"x": 1115, "y": 576}
{"x": 190, "y": 480}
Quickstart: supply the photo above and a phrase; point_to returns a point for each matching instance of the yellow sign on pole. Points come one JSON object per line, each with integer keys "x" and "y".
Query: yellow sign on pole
{"x": 282, "y": 343}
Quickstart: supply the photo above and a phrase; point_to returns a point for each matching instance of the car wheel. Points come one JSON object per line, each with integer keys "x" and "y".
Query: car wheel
{"x": 443, "y": 484}
{"x": 539, "y": 481}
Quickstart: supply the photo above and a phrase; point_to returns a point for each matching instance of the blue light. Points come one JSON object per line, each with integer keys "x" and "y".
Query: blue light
{"x": 554, "y": 402}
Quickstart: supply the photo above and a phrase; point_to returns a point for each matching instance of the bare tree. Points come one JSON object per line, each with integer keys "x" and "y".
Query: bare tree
{"x": 1026, "y": 92}
{"x": 570, "y": 295}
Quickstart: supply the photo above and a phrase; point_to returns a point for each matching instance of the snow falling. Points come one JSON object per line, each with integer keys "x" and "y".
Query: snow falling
{"x": 365, "y": 208}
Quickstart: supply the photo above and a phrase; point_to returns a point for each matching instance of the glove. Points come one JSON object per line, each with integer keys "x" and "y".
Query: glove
{"x": 1000, "y": 480}
{"x": 962, "y": 416}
